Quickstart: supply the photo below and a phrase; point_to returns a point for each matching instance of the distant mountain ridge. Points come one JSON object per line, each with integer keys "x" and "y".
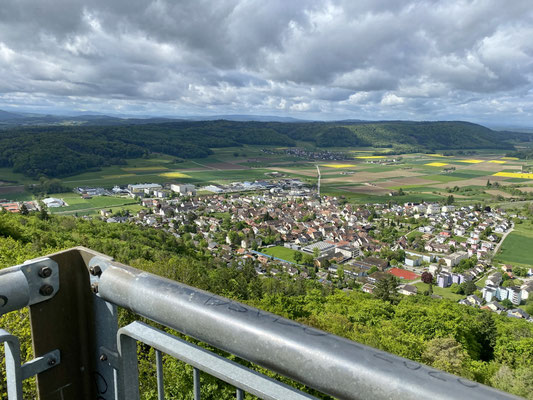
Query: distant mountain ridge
{"x": 8, "y": 118}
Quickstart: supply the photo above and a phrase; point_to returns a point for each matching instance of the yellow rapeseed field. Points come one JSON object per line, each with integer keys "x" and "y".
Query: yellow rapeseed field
{"x": 471, "y": 161}
{"x": 364, "y": 157}
{"x": 510, "y": 158}
{"x": 338, "y": 165}
{"x": 174, "y": 175}
{"x": 437, "y": 164}
{"x": 497, "y": 161}
{"x": 514, "y": 175}
{"x": 436, "y": 155}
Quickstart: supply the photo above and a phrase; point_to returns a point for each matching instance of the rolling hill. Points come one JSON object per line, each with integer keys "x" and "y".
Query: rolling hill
{"x": 55, "y": 151}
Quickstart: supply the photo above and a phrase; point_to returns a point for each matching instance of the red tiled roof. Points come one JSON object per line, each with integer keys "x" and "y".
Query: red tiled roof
{"x": 402, "y": 273}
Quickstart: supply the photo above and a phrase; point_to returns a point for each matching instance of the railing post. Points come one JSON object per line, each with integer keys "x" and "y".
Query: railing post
{"x": 73, "y": 322}
{"x": 128, "y": 374}
{"x": 160, "y": 378}
{"x": 13, "y": 370}
{"x": 196, "y": 383}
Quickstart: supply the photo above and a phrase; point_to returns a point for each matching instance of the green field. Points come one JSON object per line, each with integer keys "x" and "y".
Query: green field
{"x": 441, "y": 178}
{"x": 444, "y": 292}
{"x": 281, "y": 252}
{"x": 516, "y": 249}
{"x": 90, "y": 206}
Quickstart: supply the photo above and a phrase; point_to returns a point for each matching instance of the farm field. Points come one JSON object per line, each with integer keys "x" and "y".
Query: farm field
{"x": 360, "y": 178}
{"x": 516, "y": 249}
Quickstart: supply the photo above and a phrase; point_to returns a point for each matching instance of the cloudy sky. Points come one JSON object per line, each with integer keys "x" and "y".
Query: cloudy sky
{"x": 366, "y": 59}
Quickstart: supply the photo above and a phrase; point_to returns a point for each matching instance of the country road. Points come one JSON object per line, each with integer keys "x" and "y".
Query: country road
{"x": 497, "y": 248}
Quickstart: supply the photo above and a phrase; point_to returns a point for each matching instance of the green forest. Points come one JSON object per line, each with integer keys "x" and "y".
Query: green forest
{"x": 476, "y": 344}
{"x": 58, "y": 151}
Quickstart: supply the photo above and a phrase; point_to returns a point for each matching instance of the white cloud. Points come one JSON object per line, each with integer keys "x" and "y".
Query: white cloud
{"x": 315, "y": 59}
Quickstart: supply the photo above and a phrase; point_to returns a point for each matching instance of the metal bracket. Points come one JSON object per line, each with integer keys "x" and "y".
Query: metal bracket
{"x": 97, "y": 266}
{"x": 41, "y": 364}
{"x": 27, "y": 284}
{"x": 16, "y": 373}
{"x": 43, "y": 279}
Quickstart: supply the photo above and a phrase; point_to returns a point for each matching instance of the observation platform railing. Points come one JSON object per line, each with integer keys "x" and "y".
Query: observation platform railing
{"x": 81, "y": 353}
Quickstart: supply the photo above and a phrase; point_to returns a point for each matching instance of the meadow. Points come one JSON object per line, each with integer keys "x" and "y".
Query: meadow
{"x": 77, "y": 205}
{"x": 516, "y": 249}
{"x": 281, "y": 252}
{"x": 444, "y": 292}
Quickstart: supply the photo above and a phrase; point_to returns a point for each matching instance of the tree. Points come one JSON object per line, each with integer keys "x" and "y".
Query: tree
{"x": 468, "y": 287}
{"x": 507, "y": 303}
{"x": 340, "y": 273}
{"x": 427, "y": 277}
{"x": 387, "y": 289}
{"x": 519, "y": 382}
{"x": 456, "y": 288}
{"x": 316, "y": 252}
{"x": 307, "y": 259}
{"x": 43, "y": 214}
{"x": 446, "y": 354}
{"x": 24, "y": 210}
{"x": 450, "y": 200}
{"x": 297, "y": 257}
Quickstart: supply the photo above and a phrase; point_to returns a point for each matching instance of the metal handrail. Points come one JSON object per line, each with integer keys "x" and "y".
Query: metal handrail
{"x": 328, "y": 363}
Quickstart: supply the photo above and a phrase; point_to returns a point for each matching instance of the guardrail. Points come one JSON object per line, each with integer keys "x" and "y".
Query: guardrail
{"x": 73, "y": 298}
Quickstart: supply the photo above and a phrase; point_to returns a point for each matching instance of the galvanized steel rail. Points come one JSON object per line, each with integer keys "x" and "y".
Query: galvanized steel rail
{"x": 332, "y": 365}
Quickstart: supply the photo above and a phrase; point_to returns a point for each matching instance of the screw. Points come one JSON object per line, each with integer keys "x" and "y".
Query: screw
{"x": 46, "y": 290}
{"x": 95, "y": 270}
{"x": 103, "y": 357}
{"x": 52, "y": 362}
{"x": 45, "y": 272}
{"x": 94, "y": 288}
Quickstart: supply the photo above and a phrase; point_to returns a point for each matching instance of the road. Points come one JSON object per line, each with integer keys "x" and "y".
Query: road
{"x": 497, "y": 248}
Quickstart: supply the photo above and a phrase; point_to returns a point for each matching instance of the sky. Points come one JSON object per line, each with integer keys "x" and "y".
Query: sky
{"x": 339, "y": 59}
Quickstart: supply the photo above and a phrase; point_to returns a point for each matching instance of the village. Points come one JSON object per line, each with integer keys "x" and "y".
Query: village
{"x": 283, "y": 227}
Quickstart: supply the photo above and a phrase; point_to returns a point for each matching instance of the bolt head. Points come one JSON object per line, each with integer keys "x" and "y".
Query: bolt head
{"x": 94, "y": 288}
{"x": 52, "y": 361}
{"x": 46, "y": 290}
{"x": 103, "y": 357}
{"x": 95, "y": 270}
{"x": 45, "y": 272}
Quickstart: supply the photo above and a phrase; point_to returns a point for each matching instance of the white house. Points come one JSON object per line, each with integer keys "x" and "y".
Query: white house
{"x": 52, "y": 202}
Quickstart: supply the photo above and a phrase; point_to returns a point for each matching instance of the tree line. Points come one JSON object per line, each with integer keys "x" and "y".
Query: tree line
{"x": 57, "y": 151}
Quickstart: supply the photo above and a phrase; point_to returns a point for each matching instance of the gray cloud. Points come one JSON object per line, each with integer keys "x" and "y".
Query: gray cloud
{"x": 421, "y": 59}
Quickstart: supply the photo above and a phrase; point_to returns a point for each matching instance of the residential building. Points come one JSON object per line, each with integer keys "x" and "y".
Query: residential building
{"x": 454, "y": 259}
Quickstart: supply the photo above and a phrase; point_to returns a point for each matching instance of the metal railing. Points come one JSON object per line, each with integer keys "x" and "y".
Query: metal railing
{"x": 82, "y": 354}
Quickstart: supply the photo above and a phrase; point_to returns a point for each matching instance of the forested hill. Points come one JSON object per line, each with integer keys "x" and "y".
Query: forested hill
{"x": 56, "y": 151}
